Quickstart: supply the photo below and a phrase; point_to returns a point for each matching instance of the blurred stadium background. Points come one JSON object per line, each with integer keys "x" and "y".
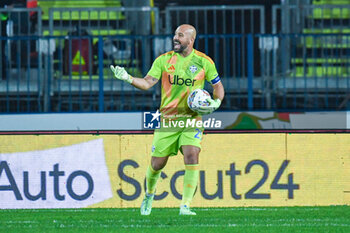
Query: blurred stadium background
{"x": 274, "y": 55}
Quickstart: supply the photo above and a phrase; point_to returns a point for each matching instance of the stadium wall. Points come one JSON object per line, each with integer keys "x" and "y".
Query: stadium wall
{"x": 63, "y": 170}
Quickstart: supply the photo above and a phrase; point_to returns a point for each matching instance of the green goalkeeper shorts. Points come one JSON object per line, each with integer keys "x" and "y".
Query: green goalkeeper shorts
{"x": 169, "y": 142}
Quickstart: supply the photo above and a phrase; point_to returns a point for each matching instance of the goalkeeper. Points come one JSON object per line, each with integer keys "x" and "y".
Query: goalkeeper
{"x": 182, "y": 70}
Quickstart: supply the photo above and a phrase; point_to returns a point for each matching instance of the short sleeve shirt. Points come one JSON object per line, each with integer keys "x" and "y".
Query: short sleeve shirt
{"x": 179, "y": 76}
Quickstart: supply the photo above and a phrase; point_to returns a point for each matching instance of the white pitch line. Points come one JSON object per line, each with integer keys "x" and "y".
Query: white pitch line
{"x": 236, "y": 225}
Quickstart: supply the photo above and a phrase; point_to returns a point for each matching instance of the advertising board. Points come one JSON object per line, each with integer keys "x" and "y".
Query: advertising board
{"x": 246, "y": 169}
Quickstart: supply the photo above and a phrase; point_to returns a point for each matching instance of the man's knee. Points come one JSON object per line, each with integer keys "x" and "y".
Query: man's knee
{"x": 191, "y": 154}
{"x": 158, "y": 163}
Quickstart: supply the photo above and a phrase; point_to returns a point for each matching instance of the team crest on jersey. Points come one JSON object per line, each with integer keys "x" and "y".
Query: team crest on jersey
{"x": 193, "y": 69}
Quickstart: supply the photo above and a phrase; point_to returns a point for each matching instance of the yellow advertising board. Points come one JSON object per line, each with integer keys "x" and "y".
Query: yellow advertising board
{"x": 246, "y": 169}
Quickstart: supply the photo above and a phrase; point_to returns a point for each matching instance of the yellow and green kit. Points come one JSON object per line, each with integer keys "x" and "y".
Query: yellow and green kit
{"x": 179, "y": 77}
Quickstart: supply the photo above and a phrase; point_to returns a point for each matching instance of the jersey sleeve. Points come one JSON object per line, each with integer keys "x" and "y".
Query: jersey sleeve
{"x": 156, "y": 69}
{"x": 211, "y": 75}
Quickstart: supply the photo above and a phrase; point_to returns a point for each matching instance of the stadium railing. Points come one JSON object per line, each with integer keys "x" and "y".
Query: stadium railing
{"x": 223, "y": 19}
{"x": 314, "y": 76}
{"x": 325, "y": 57}
{"x": 314, "y": 17}
{"x": 320, "y": 17}
{"x": 248, "y": 86}
{"x": 70, "y": 72}
{"x": 107, "y": 22}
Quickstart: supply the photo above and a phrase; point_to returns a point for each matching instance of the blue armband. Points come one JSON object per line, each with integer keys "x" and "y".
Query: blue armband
{"x": 215, "y": 80}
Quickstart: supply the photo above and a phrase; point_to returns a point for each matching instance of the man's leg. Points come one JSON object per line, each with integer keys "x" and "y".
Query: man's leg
{"x": 153, "y": 172}
{"x": 191, "y": 159}
{"x": 152, "y": 176}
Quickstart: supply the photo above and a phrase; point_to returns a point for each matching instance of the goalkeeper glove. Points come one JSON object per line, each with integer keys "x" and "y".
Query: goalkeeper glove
{"x": 213, "y": 105}
{"x": 120, "y": 73}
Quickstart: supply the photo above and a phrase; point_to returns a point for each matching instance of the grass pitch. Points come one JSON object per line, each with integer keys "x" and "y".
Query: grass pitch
{"x": 250, "y": 219}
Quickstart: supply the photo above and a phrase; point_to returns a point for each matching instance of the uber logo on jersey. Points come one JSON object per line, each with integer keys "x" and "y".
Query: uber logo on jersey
{"x": 180, "y": 81}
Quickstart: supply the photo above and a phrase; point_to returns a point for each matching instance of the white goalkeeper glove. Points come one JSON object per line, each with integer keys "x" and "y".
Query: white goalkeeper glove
{"x": 213, "y": 105}
{"x": 120, "y": 73}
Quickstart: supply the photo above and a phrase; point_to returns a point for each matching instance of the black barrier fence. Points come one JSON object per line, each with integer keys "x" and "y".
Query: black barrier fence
{"x": 72, "y": 74}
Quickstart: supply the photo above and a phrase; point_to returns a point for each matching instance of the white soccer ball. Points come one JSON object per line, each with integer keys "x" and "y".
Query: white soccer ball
{"x": 197, "y": 99}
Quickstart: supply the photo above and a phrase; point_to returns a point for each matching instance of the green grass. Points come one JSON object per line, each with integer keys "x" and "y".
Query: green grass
{"x": 253, "y": 219}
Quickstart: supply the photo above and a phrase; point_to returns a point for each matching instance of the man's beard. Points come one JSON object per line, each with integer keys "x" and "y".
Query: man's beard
{"x": 181, "y": 49}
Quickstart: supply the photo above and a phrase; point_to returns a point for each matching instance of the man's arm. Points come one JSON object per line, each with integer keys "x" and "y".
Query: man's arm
{"x": 218, "y": 96}
{"x": 141, "y": 83}
{"x": 218, "y": 91}
{"x": 144, "y": 83}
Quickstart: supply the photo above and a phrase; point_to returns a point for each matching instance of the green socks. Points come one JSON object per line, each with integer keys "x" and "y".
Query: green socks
{"x": 190, "y": 183}
{"x": 152, "y": 177}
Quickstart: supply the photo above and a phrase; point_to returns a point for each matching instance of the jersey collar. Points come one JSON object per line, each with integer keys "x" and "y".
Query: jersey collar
{"x": 190, "y": 55}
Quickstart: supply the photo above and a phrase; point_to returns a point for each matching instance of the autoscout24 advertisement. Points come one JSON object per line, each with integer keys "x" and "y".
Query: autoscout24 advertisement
{"x": 74, "y": 171}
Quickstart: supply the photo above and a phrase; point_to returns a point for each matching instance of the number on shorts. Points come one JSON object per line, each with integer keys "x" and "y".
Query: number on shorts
{"x": 198, "y": 134}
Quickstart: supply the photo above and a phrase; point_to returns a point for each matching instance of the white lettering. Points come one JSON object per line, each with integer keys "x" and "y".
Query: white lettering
{"x": 199, "y": 124}
{"x": 164, "y": 124}
{"x": 181, "y": 124}
{"x": 190, "y": 123}
{"x": 206, "y": 123}
{"x": 209, "y": 123}
{"x": 218, "y": 124}
{"x": 174, "y": 123}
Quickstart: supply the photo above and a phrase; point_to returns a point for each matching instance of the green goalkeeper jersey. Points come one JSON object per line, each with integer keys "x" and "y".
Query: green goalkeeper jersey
{"x": 181, "y": 75}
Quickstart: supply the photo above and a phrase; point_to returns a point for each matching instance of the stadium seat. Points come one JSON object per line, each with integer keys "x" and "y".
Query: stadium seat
{"x": 46, "y": 5}
{"x": 95, "y": 17}
{"x": 327, "y": 47}
{"x": 90, "y": 14}
{"x": 335, "y": 12}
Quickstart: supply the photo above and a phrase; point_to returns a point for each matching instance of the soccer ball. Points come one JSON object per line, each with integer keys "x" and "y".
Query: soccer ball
{"x": 197, "y": 99}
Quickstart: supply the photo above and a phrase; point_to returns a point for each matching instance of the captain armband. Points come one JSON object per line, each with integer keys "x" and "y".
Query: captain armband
{"x": 215, "y": 80}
